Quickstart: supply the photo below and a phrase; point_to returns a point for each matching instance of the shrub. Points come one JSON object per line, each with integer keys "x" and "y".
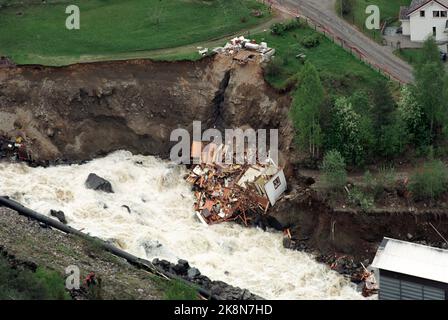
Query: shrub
{"x": 23, "y": 284}
{"x": 359, "y": 198}
{"x": 279, "y": 29}
{"x": 429, "y": 181}
{"x": 333, "y": 169}
{"x": 345, "y": 7}
{"x": 311, "y": 41}
{"x": 386, "y": 176}
{"x": 383, "y": 180}
{"x": 274, "y": 67}
{"x": 177, "y": 290}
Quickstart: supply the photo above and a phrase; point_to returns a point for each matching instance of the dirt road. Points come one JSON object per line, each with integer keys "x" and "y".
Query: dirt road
{"x": 323, "y": 13}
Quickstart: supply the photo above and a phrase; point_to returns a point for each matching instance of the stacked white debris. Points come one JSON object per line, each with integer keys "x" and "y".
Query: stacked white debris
{"x": 240, "y": 43}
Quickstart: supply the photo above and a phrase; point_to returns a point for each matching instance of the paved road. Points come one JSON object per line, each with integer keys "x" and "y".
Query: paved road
{"x": 323, "y": 12}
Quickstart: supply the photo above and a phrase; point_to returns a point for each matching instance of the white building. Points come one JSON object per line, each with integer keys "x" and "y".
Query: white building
{"x": 425, "y": 18}
{"x": 410, "y": 271}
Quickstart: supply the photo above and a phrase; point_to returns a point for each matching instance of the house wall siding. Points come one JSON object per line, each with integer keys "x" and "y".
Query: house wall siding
{"x": 422, "y": 27}
{"x": 396, "y": 286}
{"x": 406, "y": 26}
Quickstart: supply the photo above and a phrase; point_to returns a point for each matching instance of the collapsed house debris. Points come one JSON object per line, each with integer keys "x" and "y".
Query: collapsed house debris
{"x": 202, "y": 51}
{"x": 229, "y": 192}
{"x": 244, "y": 50}
{"x": 14, "y": 149}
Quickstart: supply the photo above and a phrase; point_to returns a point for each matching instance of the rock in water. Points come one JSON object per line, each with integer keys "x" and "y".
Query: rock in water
{"x": 181, "y": 267}
{"x": 58, "y": 215}
{"x": 97, "y": 183}
{"x": 193, "y": 273}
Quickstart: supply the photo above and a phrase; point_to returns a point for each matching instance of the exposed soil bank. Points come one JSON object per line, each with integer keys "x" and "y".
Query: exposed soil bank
{"x": 316, "y": 226}
{"x": 85, "y": 110}
{"x": 56, "y": 251}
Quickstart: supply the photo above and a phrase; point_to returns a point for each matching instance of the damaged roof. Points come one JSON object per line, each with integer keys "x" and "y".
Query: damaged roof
{"x": 412, "y": 259}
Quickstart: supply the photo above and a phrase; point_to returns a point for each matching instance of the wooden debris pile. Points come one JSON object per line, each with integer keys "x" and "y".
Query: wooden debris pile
{"x": 232, "y": 192}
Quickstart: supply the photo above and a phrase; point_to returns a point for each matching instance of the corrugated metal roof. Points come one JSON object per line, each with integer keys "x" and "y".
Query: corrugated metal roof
{"x": 412, "y": 259}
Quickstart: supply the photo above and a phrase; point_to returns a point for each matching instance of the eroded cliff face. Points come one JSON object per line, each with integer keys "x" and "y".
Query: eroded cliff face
{"x": 85, "y": 110}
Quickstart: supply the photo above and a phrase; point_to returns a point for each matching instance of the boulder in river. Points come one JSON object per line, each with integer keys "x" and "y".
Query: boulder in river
{"x": 58, "y": 215}
{"x": 193, "y": 273}
{"x": 219, "y": 289}
{"x": 97, "y": 183}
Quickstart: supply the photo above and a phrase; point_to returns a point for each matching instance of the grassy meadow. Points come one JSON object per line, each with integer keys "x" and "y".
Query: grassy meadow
{"x": 35, "y": 32}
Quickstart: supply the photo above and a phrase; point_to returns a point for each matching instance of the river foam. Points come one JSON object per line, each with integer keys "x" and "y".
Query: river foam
{"x": 162, "y": 224}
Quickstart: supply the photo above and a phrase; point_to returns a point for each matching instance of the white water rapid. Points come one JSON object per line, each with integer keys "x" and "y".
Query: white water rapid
{"x": 161, "y": 212}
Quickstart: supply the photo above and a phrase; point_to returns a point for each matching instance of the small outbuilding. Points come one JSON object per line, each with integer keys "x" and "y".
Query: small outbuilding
{"x": 410, "y": 271}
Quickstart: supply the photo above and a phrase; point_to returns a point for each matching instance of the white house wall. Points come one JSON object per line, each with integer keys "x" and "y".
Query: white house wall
{"x": 406, "y": 26}
{"x": 422, "y": 26}
{"x": 271, "y": 190}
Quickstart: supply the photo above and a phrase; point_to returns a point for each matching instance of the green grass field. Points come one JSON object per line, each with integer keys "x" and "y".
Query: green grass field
{"x": 340, "y": 72}
{"x": 36, "y": 33}
{"x": 412, "y": 56}
{"x": 389, "y": 11}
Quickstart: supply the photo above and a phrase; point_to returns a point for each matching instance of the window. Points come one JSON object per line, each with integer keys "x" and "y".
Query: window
{"x": 422, "y": 13}
{"x": 438, "y": 14}
{"x": 434, "y": 31}
{"x": 277, "y": 183}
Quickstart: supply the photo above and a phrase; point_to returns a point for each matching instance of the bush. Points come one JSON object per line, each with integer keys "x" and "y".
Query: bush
{"x": 274, "y": 67}
{"x": 429, "y": 181}
{"x": 345, "y": 7}
{"x": 311, "y": 41}
{"x": 177, "y": 290}
{"x": 279, "y": 29}
{"x": 385, "y": 179}
{"x": 386, "y": 176}
{"x": 359, "y": 198}
{"x": 333, "y": 169}
{"x": 23, "y": 284}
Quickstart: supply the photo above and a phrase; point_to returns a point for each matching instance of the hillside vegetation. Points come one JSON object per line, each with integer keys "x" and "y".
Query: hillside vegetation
{"x": 35, "y": 32}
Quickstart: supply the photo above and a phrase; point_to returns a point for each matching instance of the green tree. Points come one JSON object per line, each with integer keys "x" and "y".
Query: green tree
{"x": 430, "y": 52}
{"x": 389, "y": 130}
{"x": 383, "y": 105}
{"x": 412, "y": 116}
{"x": 392, "y": 138}
{"x": 345, "y": 135}
{"x": 431, "y": 88}
{"x": 334, "y": 173}
{"x": 306, "y": 109}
